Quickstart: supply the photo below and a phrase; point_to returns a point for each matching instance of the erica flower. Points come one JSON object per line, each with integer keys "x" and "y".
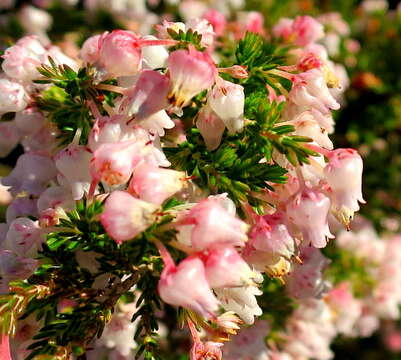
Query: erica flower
{"x": 174, "y": 290}
{"x": 190, "y": 72}
{"x": 308, "y": 210}
{"x": 343, "y": 173}
{"x": 123, "y": 223}
{"x": 211, "y": 127}
{"x": 12, "y": 96}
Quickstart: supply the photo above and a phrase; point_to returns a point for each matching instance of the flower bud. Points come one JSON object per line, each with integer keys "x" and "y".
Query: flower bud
{"x": 154, "y": 57}
{"x": 123, "y": 223}
{"x": 90, "y": 49}
{"x": 211, "y": 127}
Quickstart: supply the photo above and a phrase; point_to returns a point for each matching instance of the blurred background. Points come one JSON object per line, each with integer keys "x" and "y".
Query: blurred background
{"x": 364, "y": 36}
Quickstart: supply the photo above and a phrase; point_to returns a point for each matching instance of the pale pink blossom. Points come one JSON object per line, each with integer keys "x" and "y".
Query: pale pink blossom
{"x": 153, "y": 184}
{"x": 13, "y": 97}
{"x": 190, "y": 72}
{"x": 123, "y": 223}
{"x": 213, "y": 224}
{"x": 90, "y": 49}
{"x": 224, "y": 267}
{"x": 251, "y": 21}
{"x": 345, "y": 164}
{"x": 73, "y": 165}
{"x": 227, "y": 100}
{"x": 204, "y": 28}
{"x": 211, "y": 127}
{"x": 35, "y": 21}
{"x": 32, "y": 174}
{"x": 217, "y": 20}
{"x": 308, "y": 210}
{"x": 21, "y": 206}
{"x": 208, "y": 350}
{"x": 9, "y": 137}
{"x": 30, "y": 120}
{"x": 174, "y": 290}
{"x": 302, "y": 31}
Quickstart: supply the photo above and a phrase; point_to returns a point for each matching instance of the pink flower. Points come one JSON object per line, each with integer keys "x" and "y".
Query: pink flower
{"x": 174, "y": 290}
{"x": 124, "y": 216}
{"x": 307, "y": 30}
{"x": 73, "y": 165}
{"x": 30, "y": 120}
{"x": 213, "y": 224}
{"x": 147, "y": 97}
{"x": 227, "y": 100}
{"x": 345, "y": 164}
{"x": 21, "y": 206}
{"x": 119, "y": 54}
{"x": 12, "y": 96}
{"x": 32, "y": 174}
{"x": 204, "y": 28}
{"x": 155, "y": 185}
{"x": 270, "y": 235}
{"x": 114, "y": 163}
{"x": 306, "y": 279}
{"x": 224, "y": 267}
{"x": 22, "y": 59}
{"x": 309, "y": 89}
{"x": 283, "y": 29}
{"x": 206, "y": 351}
{"x": 5, "y": 345}
{"x": 90, "y": 49}
{"x": 9, "y": 137}
{"x": 252, "y": 21}
{"x": 217, "y": 20}
{"x": 308, "y": 210}
{"x": 211, "y": 127}
{"x": 190, "y": 72}
{"x": 24, "y": 237}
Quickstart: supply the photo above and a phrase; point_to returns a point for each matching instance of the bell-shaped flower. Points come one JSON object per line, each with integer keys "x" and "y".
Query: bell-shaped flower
{"x": 125, "y": 216}
{"x": 174, "y": 287}
{"x": 9, "y": 137}
{"x": 73, "y": 166}
{"x": 190, "y": 72}
{"x": 147, "y": 97}
{"x": 21, "y": 206}
{"x": 32, "y": 174}
{"x": 213, "y": 224}
{"x": 90, "y": 49}
{"x": 227, "y": 100}
{"x": 204, "y": 28}
{"x": 157, "y": 122}
{"x": 343, "y": 173}
{"x": 211, "y": 127}
{"x": 309, "y": 90}
{"x": 208, "y": 350}
{"x": 113, "y": 163}
{"x": 154, "y": 57}
{"x": 30, "y": 120}
{"x": 308, "y": 210}
{"x": 22, "y": 59}
{"x": 224, "y": 267}
{"x": 217, "y": 20}
{"x": 270, "y": 235}
{"x": 306, "y": 278}
{"x": 119, "y": 55}
{"x": 24, "y": 237}
{"x": 12, "y": 96}
{"x": 153, "y": 184}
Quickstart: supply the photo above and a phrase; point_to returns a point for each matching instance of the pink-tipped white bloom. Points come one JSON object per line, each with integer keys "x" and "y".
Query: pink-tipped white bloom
{"x": 114, "y": 163}
{"x": 270, "y": 235}
{"x": 251, "y": 21}
{"x": 147, "y": 97}
{"x": 309, "y": 90}
{"x": 157, "y": 123}
{"x": 302, "y": 31}
{"x": 55, "y": 197}
{"x": 213, "y": 224}
{"x": 344, "y": 175}
{"x": 24, "y": 237}
{"x": 154, "y": 57}
{"x": 217, "y": 20}
{"x": 119, "y": 55}
{"x": 153, "y": 184}
{"x": 35, "y": 21}
{"x": 73, "y": 166}
{"x": 174, "y": 290}
{"x": 9, "y": 137}
{"x": 32, "y": 174}
{"x": 306, "y": 279}
{"x": 224, "y": 267}
{"x": 308, "y": 210}
{"x": 211, "y": 127}
{"x": 208, "y": 350}
{"x": 22, "y": 59}
{"x": 227, "y": 100}
{"x": 190, "y": 72}
{"x": 204, "y": 28}
{"x": 29, "y": 121}
{"x": 12, "y": 96}
{"x": 90, "y": 49}
{"x": 123, "y": 223}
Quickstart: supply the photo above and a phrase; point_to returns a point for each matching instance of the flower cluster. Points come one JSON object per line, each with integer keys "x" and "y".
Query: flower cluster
{"x": 165, "y": 167}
